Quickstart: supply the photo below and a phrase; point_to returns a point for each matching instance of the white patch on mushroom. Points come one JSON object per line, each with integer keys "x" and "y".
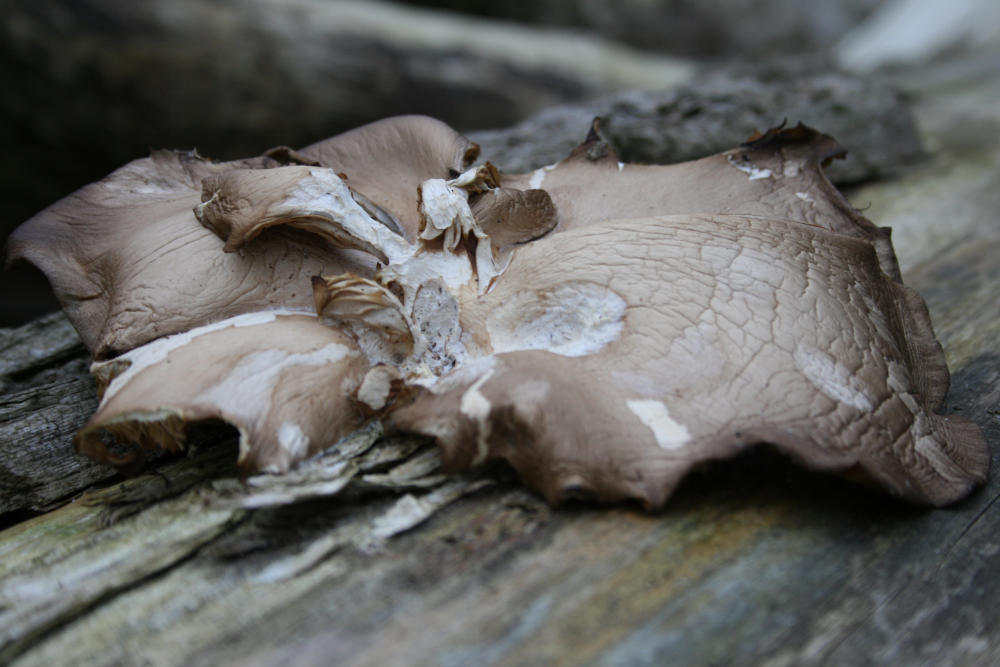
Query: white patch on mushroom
{"x": 897, "y": 377}
{"x": 130, "y": 364}
{"x": 749, "y": 168}
{"x": 476, "y": 406}
{"x": 669, "y": 433}
{"x": 435, "y": 315}
{"x": 832, "y": 378}
{"x": 249, "y": 320}
{"x": 538, "y": 175}
{"x": 451, "y": 269}
{"x": 293, "y": 440}
{"x": 910, "y": 402}
{"x": 572, "y": 319}
{"x": 325, "y": 193}
{"x": 805, "y": 196}
{"x": 246, "y": 390}
{"x": 377, "y": 386}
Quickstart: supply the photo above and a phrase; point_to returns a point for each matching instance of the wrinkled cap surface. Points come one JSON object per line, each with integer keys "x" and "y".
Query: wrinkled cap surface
{"x": 683, "y": 339}
{"x": 602, "y": 327}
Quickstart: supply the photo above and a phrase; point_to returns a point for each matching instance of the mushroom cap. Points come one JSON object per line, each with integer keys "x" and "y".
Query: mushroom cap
{"x": 642, "y": 347}
{"x": 387, "y": 160}
{"x": 777, "y": 174}
{"x": 283, "y": 380}
{"x": 129, "y": 261}
{"x": 511, "y": 217}
{"x": 240, "y": 204}
{"x": 603, "y": 327}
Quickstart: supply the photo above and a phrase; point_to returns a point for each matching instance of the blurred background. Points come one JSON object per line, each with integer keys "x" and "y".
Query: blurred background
{"x": 92, "y": 84}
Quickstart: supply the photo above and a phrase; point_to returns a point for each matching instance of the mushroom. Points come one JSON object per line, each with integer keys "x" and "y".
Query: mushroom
{"x": 410, "y": 150}
{"x": 602, "y": 327}
{"x": 130, "y": 262}
{"x": 621, "y": 364}
{"x": 281, "y": 378}
{"x": 240, "y": 204}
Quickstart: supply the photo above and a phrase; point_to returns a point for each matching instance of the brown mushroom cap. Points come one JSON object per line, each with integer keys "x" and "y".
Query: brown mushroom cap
{"x": 512, "y": 217}
{"x": 241, "y": 203}
{"x": 129, "y": 261}
{"x": 387, "y": 160}
{"x": 284, "y": 381}
{"x": 604, "y": 327}
{"x": 775, "y": 175}
{"x": 642, "y": 347}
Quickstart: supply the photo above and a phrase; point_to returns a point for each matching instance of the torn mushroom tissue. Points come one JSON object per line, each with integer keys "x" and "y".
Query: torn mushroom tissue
{"x": 559, "y": 319}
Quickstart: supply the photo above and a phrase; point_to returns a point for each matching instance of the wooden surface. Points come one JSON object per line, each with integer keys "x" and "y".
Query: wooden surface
{"x": 368, "y": 555}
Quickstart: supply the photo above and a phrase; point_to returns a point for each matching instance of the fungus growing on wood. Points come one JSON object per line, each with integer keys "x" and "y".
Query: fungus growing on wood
{"x": 602, "y": 327}
{"x": 282, "y": 379}
{"x": 129, "y": 261}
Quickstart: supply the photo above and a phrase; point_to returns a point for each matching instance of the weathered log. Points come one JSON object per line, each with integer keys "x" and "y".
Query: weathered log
{"x": 721, "y": 108}
{"x": 754, "y": 561}
{"x": 47, "y": 395}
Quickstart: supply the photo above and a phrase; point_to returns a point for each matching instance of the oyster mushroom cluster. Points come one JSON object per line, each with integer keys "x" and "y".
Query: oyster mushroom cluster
{"x": 603, "y": 327}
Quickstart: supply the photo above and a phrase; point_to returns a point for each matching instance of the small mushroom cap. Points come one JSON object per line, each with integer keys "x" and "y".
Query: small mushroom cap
{"x": 240, "y": 204}
{"x": 512, "y": 217}
{"x": 373, "y": 315}
{"x": 387, "y": 160}
{"x": 282, "y": 380}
